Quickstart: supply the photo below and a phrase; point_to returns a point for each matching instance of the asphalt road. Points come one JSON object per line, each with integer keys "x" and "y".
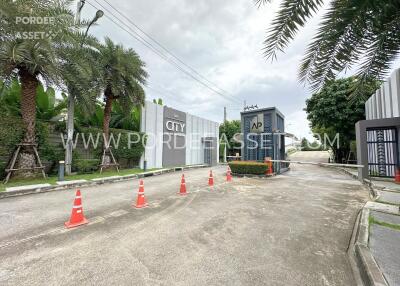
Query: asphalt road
{"x": 292, "y": 229}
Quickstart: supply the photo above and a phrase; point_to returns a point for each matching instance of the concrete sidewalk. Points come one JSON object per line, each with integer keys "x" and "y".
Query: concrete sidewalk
{"x": 385, "y": 235}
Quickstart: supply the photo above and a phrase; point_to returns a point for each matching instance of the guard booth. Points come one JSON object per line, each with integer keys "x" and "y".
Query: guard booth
{"x": 263, "y": 136}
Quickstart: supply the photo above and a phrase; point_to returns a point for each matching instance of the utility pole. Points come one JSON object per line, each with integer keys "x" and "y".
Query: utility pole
{"x": 71, "y": 107}
{"x": 71, "y": 98}
{"x": 224, "y": 114}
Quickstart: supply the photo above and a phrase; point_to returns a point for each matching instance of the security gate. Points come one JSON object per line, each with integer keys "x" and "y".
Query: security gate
{"x": 382, "y": 151}
{"x": 210, "y": 150}
{"x": 207, "y": 152}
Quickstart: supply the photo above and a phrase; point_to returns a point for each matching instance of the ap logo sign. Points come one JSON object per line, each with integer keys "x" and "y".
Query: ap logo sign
{"x": 257, "y": 124}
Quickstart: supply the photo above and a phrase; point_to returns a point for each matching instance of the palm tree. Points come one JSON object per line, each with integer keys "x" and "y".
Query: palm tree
{"x": 30, "y": 57}
{"x": 29, "y": 52}
{"x": 351, "y": 33}
{"x": 122, "y": 77}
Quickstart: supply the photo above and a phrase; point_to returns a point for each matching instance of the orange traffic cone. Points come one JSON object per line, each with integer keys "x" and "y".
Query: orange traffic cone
{"x": 228, "y": 175}
{"x": 397, "y": 177}
{"x": 211, "y": 179}
{"x": 182, "y": 191}
{"x": 77, "y": 217}
{"x": 141, "y": 200}
{"x": 270, "y": 170}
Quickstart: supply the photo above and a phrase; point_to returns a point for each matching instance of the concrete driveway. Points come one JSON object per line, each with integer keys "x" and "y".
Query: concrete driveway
{"x": 292, "y": 229}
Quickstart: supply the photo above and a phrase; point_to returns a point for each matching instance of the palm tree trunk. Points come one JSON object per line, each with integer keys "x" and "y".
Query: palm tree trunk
{"x": 29, "y": 84}
{"x": 106, "y": 126}
{"x": 107, "y": 118}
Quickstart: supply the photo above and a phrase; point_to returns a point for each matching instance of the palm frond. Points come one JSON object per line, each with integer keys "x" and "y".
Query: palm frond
{"x": 292, "y": 15}
{"x": 352, "y": 32}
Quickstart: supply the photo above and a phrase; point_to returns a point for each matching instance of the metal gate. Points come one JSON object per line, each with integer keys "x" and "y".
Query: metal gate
{"x": 382, "y": 152}
{"x": 208, "y": 152}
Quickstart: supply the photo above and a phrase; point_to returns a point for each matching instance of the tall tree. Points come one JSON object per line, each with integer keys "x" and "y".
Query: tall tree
{"x": 332, "y": 116}
{"x": 122, "y": 76}
{"x": 228, "y": 130}
{"x": 352, "y": 33}
{"x": 32, "y": 33}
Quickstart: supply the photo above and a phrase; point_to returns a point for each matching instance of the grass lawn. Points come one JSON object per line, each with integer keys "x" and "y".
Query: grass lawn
{"x": 382, "y": 223}
{"x": 53, "y": 179}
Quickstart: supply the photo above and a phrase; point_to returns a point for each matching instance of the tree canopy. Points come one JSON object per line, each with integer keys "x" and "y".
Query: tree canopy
{"x": 227, "y": 131}
{"x": 331, "y": 112}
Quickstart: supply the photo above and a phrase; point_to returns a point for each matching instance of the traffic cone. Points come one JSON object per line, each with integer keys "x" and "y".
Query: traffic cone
{"x": 397, "y": 177}
{"x": 141, "y": 200}
{"x": 270, "y": 170}
{"x": 228, "y": 175}
{"x": 211, "y": 179}
{"x": 182, "y": 191}
{"x": 77, "y": 217}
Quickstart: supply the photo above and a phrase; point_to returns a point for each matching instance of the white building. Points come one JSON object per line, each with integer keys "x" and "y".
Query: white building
{"x": 176, "y": 138}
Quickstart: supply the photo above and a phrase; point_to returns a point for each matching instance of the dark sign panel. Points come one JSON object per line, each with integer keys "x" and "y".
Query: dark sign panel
{"x": 174, "y": 149}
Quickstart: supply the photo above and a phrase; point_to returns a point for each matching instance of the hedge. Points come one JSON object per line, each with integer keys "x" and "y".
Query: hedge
{"x": 12, "y": 131}
{"x": 11, "y": 134}
{"x": 134, "y": 152}
{"x": 248, "y": 167}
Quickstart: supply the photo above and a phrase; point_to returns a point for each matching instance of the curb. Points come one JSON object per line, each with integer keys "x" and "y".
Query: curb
{"x": 253, "y": 175}
{"x": 94, "y": 182}
{"x": 364, "y": 266}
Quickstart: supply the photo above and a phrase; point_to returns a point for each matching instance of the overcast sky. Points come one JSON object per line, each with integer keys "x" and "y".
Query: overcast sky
{"x": 222, "y": 40}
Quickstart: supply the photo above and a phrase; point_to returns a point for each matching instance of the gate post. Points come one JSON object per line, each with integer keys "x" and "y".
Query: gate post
{"x": 362, "y": 150}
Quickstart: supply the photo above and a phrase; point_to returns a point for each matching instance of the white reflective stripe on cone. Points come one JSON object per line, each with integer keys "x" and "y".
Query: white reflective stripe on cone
{"x": 77, "y": 207}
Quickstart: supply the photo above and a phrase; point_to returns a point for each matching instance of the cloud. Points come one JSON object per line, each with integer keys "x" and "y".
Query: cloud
{"x": 223, "y": 41}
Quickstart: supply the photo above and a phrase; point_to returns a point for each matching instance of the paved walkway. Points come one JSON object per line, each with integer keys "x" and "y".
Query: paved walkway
{"x": 287, "y": 230}
{"x": 384, "y": 245}
{"x": 384, "y": 240}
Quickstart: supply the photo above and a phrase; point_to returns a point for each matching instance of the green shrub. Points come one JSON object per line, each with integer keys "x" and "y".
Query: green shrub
{"x": 11, "y": 134}
{"x": 248, "y": 167}
{"x": 133, "y": 152}
{"x": 86, "y": 166}
{"x": 12, "y": 131}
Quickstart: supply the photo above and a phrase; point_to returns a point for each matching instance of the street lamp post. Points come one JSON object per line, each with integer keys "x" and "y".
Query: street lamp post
{"x": 71, "y": 98}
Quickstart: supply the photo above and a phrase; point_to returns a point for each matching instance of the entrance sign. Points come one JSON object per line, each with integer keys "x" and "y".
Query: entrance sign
{"x": 175, "y": 126}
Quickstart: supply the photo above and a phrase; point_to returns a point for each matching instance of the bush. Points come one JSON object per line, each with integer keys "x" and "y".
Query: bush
{"x": 12, "y": 131}
{"x": 11, "y": 134}
{"x": 248, "y": 167}
{"x": 124, "y": 151}
{"x": 86, "y": 166}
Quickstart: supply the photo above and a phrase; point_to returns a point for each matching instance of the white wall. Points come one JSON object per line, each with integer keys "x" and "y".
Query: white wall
{"x": 198, "y": 128}
{"x": 385, "y": 102}
{"x": 152, "y": 120}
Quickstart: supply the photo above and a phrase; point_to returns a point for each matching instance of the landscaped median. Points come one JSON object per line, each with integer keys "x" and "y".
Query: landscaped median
{"x": 24, "y": 187}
